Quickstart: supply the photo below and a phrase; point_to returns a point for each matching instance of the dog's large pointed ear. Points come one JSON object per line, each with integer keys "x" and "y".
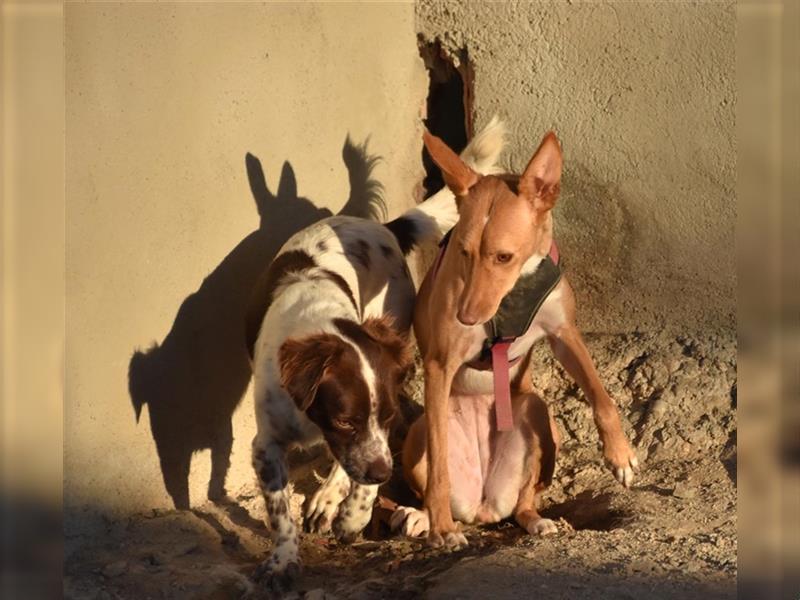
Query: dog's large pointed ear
{"x": 541, "y": 181}
{"x": 457, "y": 175}
{"x": 303, "y": 364}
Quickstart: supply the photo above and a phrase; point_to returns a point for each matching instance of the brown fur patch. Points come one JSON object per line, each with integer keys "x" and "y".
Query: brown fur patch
{"x": 394, "y": 343}
{"x": 303, "y": 364}
{"x": 323, "y": 375}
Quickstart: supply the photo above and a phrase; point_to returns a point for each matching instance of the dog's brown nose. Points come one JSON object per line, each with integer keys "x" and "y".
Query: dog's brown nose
{"x": 466, "y": 319}
{"x": 379, "y": 471}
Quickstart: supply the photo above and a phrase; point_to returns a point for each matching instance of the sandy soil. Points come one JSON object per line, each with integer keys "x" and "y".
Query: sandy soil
{"x": 673, "y": 535}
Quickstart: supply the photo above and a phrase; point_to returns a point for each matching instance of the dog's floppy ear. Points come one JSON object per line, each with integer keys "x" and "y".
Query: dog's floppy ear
{"x": 394, "y": 344}
{"x": 303, "y": 364}
{"x": 458, "y": 176}
{"x": 541, "y": 181}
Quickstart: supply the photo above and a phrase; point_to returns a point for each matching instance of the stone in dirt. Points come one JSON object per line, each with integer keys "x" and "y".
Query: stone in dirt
{"x": 683, "y": 491}
{"x": 115, "y": 569}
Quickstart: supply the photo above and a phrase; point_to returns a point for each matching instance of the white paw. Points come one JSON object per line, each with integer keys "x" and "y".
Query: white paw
{"x": 450, "y": 540}
{"x": 354, "y": 513}
{"x": 620, "y": 458}
{"x": 325, "y": 502}
{"x": 625, "y": 474}
{"x": 349, "y": 523}
{"x": 410, "y": 522}
{"x": 322, "y": 509}
{"x": 542, "y": 527}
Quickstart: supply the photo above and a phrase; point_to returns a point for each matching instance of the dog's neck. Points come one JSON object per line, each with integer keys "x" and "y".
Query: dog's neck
{"x": 314, "y": 302}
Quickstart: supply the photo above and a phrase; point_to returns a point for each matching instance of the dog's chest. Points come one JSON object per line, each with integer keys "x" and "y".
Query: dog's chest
{"x": 480, "y": 442}
{"x": 549, "y": 318}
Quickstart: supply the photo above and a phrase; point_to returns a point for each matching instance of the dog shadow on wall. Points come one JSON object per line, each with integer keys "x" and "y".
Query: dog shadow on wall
{"x": 194, "y": 380}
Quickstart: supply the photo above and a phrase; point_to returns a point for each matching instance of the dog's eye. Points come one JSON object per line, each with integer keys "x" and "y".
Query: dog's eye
{"x": 343, "y": 424}
{"x": 503, "y": 257}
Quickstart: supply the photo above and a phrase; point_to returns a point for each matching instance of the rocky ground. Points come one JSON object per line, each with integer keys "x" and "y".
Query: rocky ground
{"x": 673, "y": 535}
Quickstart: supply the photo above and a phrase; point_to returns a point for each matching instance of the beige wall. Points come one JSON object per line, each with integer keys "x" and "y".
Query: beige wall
{"x": 642, "y": 96}
{"x": 32, "y": 239}
{"x": 163, "y": 102}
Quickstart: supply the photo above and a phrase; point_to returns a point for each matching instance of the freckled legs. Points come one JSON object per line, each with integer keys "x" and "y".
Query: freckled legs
{"x": 269, "y": 461}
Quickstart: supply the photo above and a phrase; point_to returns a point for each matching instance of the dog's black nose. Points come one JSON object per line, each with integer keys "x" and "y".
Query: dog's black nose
{"x": 379, "y": 471}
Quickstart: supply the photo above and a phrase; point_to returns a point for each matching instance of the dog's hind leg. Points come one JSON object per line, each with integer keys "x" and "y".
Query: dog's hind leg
{"x": 540, "y": 430}
{"x": 506, "y": 474}
{"x": 325, "y": 502}
{"x": 283, "y": 566}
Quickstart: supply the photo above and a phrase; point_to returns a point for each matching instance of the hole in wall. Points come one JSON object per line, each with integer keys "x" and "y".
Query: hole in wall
{"x": 449, "y": 105}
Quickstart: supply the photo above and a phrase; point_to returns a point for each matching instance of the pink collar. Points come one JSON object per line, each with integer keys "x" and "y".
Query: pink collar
{"x": 553, "y": 253}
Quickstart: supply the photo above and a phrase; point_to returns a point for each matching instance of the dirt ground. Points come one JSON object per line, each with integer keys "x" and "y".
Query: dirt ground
{"x": 673, "y": 535}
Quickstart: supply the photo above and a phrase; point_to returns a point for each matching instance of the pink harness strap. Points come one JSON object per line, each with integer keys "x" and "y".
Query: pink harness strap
{"x": 502, "y": 386}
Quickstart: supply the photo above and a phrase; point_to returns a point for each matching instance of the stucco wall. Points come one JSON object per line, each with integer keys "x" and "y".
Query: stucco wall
{"x": 167, "y": 225}
{"x": 642, "y": 96}
{"x": 163, "y": 102}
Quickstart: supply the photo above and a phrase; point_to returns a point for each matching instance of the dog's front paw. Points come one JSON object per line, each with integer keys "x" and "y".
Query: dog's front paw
{"x": 319, "y": 515}
{"x": 542, "y": 527}
{"x": 325, "y": 502}
{"x": 448, "y": 540}
{"x": 349, "y": 523}
{"x": 276, "y": 575}
{"x": 621, "y": 461}
{"x": 411, "y": 522}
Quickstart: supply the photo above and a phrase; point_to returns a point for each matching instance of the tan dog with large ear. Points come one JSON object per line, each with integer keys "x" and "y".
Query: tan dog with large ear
{"x": 505, "y": 231}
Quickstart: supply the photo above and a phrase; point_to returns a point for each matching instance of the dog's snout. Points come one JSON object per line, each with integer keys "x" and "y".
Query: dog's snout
{"x": 379, "y": 471}
{"x": 466, "y": 319}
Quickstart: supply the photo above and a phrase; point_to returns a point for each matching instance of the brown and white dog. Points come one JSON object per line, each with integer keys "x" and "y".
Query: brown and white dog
{"x": 454, "y": 456}
{"x": 327, "y": 332}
